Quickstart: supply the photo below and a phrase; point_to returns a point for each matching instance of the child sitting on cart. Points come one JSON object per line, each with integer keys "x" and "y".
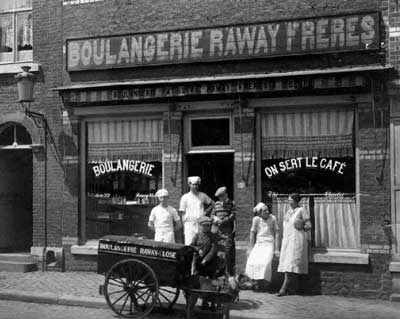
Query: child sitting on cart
{"x": 206, "y": 262}
{"x": 206, "y": 243}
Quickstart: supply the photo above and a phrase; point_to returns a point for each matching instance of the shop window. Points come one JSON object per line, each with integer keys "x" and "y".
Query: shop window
{"x": 13, "y": 134}
{"x": 15, "y": 31}
{"x": 124, "y": 170}
{"x": 210, "y": 133}
{"x": 312, "y": 152}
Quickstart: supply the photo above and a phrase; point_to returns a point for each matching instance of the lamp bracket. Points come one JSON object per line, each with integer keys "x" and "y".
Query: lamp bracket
{"x": 38, "y": 118}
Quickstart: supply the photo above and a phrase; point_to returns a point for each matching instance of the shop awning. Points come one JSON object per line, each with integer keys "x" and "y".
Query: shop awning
{"x": 120, "y": 92}
{"x": 227, "y": 77}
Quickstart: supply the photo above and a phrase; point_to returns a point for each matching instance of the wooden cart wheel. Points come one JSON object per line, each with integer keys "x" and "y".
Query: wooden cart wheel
{"x": 167, "y": 297}
{"x": 131, "y": 288}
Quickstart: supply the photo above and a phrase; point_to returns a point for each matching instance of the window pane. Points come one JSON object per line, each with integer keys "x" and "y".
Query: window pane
{"x": 312, "y": 152}
{"x": 20, "y": 4}
{"x": 119, "y": 199}
{"x": 14, "y": 4}
{"x": 214, "y": 132}
{"x": 6, "y": 38}
{"x": 307, "y": 175}
{"x": 24, "y": 36}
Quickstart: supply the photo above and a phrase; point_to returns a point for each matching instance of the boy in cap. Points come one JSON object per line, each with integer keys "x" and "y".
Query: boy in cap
{"x": 194, "y": 205}
{"x": 164, "y": 219}
{"x": 224, "y": 215}
{"x": 205, "y": 263}
{"x": 206, "y": 244}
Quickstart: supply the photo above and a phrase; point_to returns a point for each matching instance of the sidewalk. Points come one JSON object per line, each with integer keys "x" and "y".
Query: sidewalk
{"x": 81, "y": 289}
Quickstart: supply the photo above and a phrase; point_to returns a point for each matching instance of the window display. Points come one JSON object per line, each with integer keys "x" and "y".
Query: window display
{"x": 312, "y": 152}
{"x": 123, "y": 172}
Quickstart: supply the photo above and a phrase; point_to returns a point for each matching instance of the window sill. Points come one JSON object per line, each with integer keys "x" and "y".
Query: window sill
{"x": 317, "y": 257}
{"x": 12, "y": 68}
{"x": 89, "y": 248}
{"x": 339, "y": 257}
{"x": 394, "y": 266}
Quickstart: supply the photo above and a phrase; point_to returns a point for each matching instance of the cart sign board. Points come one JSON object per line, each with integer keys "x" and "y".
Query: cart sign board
{"x": 138, "y": 250}
{"x": 279, "y": 38}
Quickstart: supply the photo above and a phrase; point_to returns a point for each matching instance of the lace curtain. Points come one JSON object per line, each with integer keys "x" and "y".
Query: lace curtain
{"x": 337, "y": 225}
{"x": 125, "y": 139}
{"x": 324, "y": 133}
{"x": 336, "y": 222}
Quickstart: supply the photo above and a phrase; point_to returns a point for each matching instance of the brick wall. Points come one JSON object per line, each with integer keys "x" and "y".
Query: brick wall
{"x": 391, "y": 16}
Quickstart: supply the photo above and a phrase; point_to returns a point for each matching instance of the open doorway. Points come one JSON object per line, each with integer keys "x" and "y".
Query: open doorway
{"x": 15, "y": 189}
{"x": 214, "y": 169}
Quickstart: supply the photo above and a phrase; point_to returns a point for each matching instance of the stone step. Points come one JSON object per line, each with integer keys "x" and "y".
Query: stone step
{"x": 17, "y": 266}
{"x": 395, "y": 297}
{"x": 21, "y": 257}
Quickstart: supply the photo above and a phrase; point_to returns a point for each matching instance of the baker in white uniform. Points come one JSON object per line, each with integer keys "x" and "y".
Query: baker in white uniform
{"x": 194, "y": 205}
{"x": 164, "y": 219}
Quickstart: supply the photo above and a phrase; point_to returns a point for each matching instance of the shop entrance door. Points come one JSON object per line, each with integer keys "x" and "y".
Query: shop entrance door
{"x": 215, "y": 170}
{"x": 15, "y": 200}
{"x": 15, "y": 188}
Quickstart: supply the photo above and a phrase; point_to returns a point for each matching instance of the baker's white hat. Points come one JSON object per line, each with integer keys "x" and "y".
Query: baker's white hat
{"x": 194, "y": 179}
{"x": 258, "y": 207}
{"x": 161, "y": 192}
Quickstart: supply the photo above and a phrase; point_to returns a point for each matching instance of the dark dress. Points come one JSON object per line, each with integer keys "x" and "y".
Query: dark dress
{"x": 207, "y": 247}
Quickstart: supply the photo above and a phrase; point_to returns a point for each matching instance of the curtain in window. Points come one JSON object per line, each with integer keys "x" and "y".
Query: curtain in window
{"x": 125, "y": 139}
{"x": 6, "y": 33}
{"x": 24, "y": 31}
{"x": 324, "y": 133}
{"x": 337, "y": 224}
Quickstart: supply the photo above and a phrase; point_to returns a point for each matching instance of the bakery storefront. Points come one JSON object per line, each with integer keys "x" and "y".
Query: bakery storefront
{"x": 266, "y": 109}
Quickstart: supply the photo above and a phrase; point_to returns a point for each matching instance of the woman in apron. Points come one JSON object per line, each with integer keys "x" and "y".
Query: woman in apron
{"x": 294, "y": 251}
{"x": 263, "y": 236}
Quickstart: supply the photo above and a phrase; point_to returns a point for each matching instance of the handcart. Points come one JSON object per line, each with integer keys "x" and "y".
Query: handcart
{"x": 142, "y": 274}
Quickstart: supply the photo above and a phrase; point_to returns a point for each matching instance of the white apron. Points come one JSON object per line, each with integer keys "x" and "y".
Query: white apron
{"x": 259, "y": 263}
{"x": 190, "y": 229}
{"x": 165, "y": 235}
{"x": 294, "y": 253}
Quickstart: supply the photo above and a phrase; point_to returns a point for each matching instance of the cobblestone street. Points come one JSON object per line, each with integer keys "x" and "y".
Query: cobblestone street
{"x": 83, "y": 285}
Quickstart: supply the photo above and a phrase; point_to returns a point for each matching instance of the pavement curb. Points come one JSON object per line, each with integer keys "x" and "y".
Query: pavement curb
{"x": 91, "y": 302}
{"x": 53, "y": 299}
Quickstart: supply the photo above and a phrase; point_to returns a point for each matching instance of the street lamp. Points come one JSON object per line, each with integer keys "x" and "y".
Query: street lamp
{"x": 25, "y": 84}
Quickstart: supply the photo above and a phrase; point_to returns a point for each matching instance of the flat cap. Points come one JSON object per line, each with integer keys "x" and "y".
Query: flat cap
{"x": 204, "y": 220}
{"x": 220, "y": 191}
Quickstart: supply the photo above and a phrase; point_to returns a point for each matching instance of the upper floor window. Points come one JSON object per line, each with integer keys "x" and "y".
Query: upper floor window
{"x": 209, "y": 134}
{"x": 15, "y": 31}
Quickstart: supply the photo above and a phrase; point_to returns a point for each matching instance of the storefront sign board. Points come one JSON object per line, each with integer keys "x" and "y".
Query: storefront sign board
{"x": 145, "y": 92}
{"x": 120, "y": 165}
{"x": 306, "y": 162}
{"x": 248, "y": 41}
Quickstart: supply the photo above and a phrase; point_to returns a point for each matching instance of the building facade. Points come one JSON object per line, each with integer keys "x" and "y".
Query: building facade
{"x": 264, "y": 97}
